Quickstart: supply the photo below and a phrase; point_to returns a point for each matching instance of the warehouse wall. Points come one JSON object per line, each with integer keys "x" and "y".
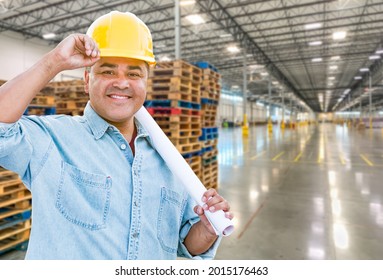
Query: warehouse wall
{"x": 232, "y": 110}
{"x": 17, "y": 55}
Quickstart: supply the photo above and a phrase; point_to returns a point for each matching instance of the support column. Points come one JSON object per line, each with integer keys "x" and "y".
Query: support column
{"x": 177, "y": 19}
{"x": 283, "y": 110}
{"x": 370, "y": 98}
{"x": 270, "y": 124}
{"x": 245, "y": 127}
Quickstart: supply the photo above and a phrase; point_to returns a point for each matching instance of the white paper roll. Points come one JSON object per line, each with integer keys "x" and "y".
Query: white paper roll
{"x": 182, "y": 170}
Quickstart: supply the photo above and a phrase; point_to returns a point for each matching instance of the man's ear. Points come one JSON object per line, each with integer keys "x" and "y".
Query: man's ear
{"x": 86, "y": 80}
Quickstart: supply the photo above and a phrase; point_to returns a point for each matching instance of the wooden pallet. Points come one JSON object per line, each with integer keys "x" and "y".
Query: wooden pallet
{"x": 176, "y": 95}
{"x": 182, "y": 133}
{"x": 14, "y": 235}
{"x": 174, "y": 126}
{"x": 71, "y": 112}
{"x": 173, "y": 111}
{"x": 7, "y": 212}
{"x": 16, "y": 198}
{"x": 43, "y": 100}
{"x": 64, "y": 86}
{"x": 180, "y": 64}
{"x": 210, "y": 143}
{"x": 212, "y": 94}
{"x": 209, "y": 121}
{"x": 210, "y": 154}
{"x": 185, "y": 140}
{"x": 188, "y": 148}
{"x": 7, "y": 174}
{"x": 11, "y": 185}
{"x": 195, "y": 164}
{"x": 71, "y": 95}
{"x": 173, "y": 84}
{"x": 160, "y": 118}
{"x": 71, "y": 104}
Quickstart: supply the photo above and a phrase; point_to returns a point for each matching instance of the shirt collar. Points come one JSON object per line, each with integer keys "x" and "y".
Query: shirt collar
{"x": 99, "y": 126}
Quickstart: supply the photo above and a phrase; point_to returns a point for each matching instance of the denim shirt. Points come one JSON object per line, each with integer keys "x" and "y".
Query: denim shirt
{"x": 91, "y": 198}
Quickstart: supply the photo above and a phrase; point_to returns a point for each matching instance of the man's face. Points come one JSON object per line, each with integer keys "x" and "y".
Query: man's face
{"x": 117, "y": 87}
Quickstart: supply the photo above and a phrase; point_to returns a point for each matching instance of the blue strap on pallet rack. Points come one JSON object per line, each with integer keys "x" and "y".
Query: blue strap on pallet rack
{"x": 209, "y": 101}
{"x": 47, "y": 110}
{"x": 15, "y": 219}
{"x": 209, "y": 133}
{"x": 168, "y": 103}
{"x": 205, "y": 65}
{"x": 193, "y": 154}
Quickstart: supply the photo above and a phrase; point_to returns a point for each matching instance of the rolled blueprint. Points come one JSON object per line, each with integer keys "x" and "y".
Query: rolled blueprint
{"x": 182, "y": 170}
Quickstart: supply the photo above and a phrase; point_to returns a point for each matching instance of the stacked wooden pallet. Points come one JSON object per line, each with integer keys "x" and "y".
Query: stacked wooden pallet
{"x": 15, "y": 212}
{"x": 210, "y": 93}
{"x": 70, "y": 97}
{"x": 42, "y": 104}
{"x": 173, "y": 99}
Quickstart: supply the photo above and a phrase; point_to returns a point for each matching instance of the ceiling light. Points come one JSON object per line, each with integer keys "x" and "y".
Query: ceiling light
{"x": 335, "y": 57}
{"x": 264, "y": 73}
{"x": 333, "y": 67}
{"x": 364, "y": 69}
{"x": 380, "y": 51}
{"x": 233, "y": 49}
{"x": 339, "y": 35}
{"x": 195, "y": 19}
{"x": 48, "y": 36}
{"x": 313, "y": 25}
{"x": 255, "y": 67}
{"x": 374, "y": 57}
{"x": 358, "y": 78}
{"x": 225, "y": 35}
{"x": 331, "y": 78}
{"x": 187, "y": 2}
{"x": 318, "y": 59}
{"x": 315, "y": 43}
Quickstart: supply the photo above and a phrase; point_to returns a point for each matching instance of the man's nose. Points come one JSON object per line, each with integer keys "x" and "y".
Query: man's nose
{"x": 121, "y": 82}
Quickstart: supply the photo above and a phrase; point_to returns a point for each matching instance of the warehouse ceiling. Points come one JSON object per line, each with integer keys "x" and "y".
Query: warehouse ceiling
{"x": 306, "y": 50}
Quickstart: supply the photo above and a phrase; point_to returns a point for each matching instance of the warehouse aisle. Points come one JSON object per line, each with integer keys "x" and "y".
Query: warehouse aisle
{"x": 310, "y": 193}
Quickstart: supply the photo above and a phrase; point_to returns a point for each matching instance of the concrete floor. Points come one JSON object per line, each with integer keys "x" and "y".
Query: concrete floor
{"x": 309, "y": 193}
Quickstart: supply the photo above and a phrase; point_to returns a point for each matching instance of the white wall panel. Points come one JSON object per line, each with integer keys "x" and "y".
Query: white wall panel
{"x": 17, "y": 55}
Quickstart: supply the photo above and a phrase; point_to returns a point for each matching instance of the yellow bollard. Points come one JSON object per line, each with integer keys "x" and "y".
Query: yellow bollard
{"x": 270, "y": 126}
{"x": 245, "y": 127}
{"x": 283, "y": 126}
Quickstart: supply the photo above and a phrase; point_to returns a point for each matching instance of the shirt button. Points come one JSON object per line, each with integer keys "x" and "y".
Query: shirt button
{"x": 123, "y": 146}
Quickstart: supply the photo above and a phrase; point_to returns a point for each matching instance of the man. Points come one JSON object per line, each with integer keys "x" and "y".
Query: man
{"x": 100, "y": 190}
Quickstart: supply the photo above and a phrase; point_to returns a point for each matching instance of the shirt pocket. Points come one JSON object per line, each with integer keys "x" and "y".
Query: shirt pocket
{"x": 83, "y": 198}
{"x": 169, "y": 219}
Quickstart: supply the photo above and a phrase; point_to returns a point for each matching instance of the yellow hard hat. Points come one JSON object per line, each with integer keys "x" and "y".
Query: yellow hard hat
{"x": 123, "y": 35}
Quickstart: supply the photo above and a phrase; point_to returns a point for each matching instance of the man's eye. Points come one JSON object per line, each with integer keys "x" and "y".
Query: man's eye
{"x": 134, "y": 75}
{"x": 108, "y": 72}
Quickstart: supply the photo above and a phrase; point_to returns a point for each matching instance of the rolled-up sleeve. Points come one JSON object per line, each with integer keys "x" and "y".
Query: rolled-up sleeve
{"x": 15, "y": 149}
{"x": 17, "y": 145}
